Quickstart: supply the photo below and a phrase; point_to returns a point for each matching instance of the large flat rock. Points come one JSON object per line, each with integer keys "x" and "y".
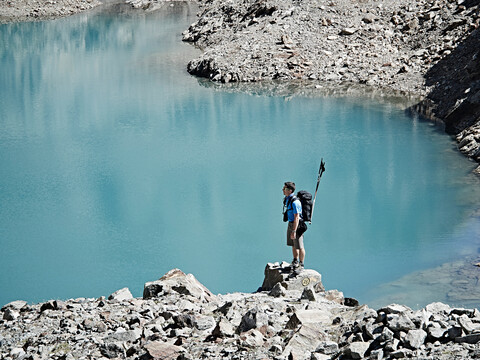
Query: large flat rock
{"x": 282, "y": 273}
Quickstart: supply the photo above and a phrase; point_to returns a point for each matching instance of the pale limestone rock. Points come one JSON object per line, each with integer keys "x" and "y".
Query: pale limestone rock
{"x": 164, "y": 351}
{"x": 177, "y": 282}
{"x": 305, "y": 340}
{"x": 357, "y": 350}
{"x": 302, "y": 317}
{"x": 121, "y": 295}
{"x": 415, "y": 338}
{"x": 16, "y": 305}
{"x": 335, "y": 295}
{"x": 223, "y": 329}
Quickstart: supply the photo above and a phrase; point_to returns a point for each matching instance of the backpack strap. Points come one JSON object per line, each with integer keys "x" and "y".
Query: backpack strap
{"x": 287, "y": 205}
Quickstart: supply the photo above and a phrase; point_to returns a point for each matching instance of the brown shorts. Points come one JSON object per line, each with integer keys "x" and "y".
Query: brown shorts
{"x": 298, "y": 242}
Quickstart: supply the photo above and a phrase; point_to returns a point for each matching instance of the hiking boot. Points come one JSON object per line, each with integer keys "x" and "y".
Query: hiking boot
{"x": 297, "y": 270}
{"x": 294, "y": 264}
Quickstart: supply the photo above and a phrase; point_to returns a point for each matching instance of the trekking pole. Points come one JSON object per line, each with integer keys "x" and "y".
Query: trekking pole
{"x": 320, "y": 172}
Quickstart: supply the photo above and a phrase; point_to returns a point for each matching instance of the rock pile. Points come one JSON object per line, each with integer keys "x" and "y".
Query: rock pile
{"x": 30, "y": 10}
{"x": 388, "y": 44}
{"x": 178, "y": 318}
{"x": 469, "y": 142}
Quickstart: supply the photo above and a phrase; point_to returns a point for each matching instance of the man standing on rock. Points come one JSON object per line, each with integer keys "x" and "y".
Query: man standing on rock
{"x": 292, "y": 212}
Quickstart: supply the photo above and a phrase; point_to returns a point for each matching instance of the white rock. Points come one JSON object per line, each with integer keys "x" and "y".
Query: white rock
{"x": 17, "y": 305}
{"x": 17, "y": 353}
{"x": 121, "y": 295}
{"x": 358, "y": 349}
{"x": 415, "y": 338}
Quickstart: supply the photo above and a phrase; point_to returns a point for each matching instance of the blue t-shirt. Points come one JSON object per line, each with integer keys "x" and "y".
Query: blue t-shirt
{"x": 294, "y": 208}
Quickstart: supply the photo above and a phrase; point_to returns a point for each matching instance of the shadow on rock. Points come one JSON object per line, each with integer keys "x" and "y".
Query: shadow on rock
{"x": 456, "y": 86}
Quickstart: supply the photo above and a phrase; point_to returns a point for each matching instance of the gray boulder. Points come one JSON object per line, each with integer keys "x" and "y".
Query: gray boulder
{"x": 248, "y": 322}
{"x": 438, "y": 307}
{"x": 308, "y": 294}
{"x": 386, "y": 335}
{"x": 357, "y": 350}
{"x": 278, "y": 290}
{"x": 124, "y": 336}
{"x": 436, "y": 333}
{"x": 302, "y": 317}
{"x": 177, "y": 282}
{"x": 400, "y": 323}
{"x": 204, "y": 322}
{"x": 455, "y": 332}
{"x": 469, "y": 339}
{"x": 275, "y": 273}
{"x": 395, "y": 309}
{"x": 252, "y": 338}
{"x": 327, "y": 347}
{"x": 305, "y": 341}
{"x": 223, "y": 329}
{"x": 415, "y": 338}
{"x": 111, "y": 350}
{"x": 467, "y": 325}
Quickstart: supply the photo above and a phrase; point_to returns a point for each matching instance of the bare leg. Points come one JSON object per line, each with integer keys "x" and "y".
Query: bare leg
{"x": 302, "y": 254}
{"x": 295, "y": 252}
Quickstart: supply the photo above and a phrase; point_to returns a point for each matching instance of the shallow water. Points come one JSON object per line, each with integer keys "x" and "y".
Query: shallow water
{"x": 118, "y": 166}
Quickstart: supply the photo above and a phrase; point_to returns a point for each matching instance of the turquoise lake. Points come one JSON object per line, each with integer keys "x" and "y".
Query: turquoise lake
{"x": 117, "y": 166}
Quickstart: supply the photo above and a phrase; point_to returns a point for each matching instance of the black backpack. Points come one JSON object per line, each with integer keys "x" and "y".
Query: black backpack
{"x": 306, "y": 200}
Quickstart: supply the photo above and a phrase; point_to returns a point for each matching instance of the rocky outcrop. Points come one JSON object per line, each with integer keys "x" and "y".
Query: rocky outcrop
{"x": 281, "y": 273}
{"x": 31, "y": 10}
{"x": 184, "y": 320}
{"x": 177, "y": 282}
{"x": 392, "y": 44}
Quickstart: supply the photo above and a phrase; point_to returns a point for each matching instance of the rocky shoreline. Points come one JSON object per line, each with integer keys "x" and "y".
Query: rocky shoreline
{"x": 35, "y": 10}
{"x": 428, "y": 47}
{"x": 288, "y": 318}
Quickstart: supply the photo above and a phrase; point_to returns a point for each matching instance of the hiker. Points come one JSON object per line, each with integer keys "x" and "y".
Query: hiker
{"x": 292, "y": 214}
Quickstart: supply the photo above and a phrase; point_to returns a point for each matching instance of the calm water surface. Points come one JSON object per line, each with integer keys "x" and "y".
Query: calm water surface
{"x": 117, "y": 166}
